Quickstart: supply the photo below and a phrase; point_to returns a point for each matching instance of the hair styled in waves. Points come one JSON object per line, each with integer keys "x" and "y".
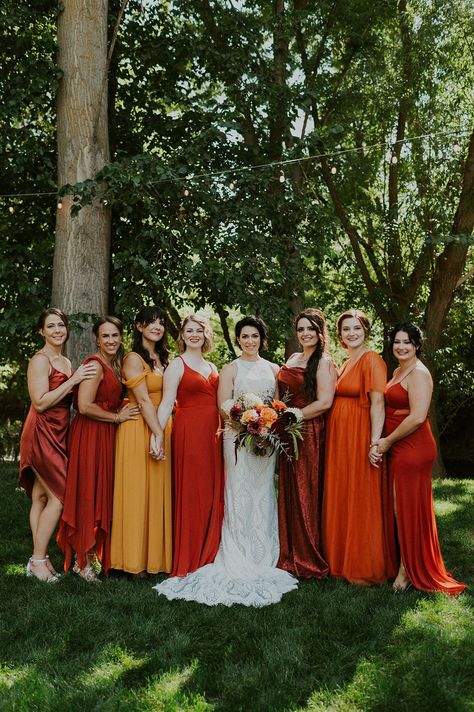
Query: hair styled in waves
{"x": 147, "y": 315}
{"x": 118, "y": 357}
{"x": 317, "y": 320}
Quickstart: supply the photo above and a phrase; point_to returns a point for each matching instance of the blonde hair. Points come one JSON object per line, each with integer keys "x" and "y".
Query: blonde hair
{"x": 208, "y": 344}
{"x": 353, "y": 314}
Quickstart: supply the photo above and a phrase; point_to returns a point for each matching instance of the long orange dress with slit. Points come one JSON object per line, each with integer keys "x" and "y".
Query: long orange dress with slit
{"x": 142, "y": 515}
{"x": 198, "y": 475}
{"x": 358, "y": 541}
{"x": 87, "y": 514}
{"x": 410, "y": 464}
{"x": 43, "y": 442}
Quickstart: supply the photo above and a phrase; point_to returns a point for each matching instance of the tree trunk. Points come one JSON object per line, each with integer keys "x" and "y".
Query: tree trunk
{"x": 82, "y": 248}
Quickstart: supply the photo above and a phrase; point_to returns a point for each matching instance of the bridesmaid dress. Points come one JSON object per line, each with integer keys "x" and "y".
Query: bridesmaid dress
{"x": 357, "y": 539}
{"x": 87, "y": 514}
{"x": 142, "y": 517}
{"x": 300, "y": 489}
{"x": 198, "y": 486}
{"x": 410, "y": 463}
{"x": 43, "y": 442}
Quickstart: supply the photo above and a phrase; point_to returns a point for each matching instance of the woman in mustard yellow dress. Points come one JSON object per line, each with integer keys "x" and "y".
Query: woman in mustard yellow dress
{"x": 142, "y": 514}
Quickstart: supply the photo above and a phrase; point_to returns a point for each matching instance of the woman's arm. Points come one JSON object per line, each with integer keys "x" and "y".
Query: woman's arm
{"x": 171, "y": 381}
{"x": 226, "y": 386}
{"x": 133, "y": 367}
{"x": 326, "y": 384}
{"x": 420, "y": 389}
{"x": 86, "y": 397}
{"x": 38, "y": 382}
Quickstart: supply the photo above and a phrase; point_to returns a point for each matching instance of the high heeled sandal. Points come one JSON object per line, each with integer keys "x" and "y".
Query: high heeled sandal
{"x": 51, "y": 567}
{"x": 54, "y": 578}
{"x": 87, "y": 573}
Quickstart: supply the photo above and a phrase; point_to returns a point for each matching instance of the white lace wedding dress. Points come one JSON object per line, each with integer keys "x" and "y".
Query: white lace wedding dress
{"x": 244, "y": 569}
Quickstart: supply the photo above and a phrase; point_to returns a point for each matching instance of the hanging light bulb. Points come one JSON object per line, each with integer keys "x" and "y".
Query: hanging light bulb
{"x": 186, "y": 192}
{"x": 394, "y": 159}
{"x": 333, "y": 170}
{"x": 231, "y": 185}
{"x": 457, "y": 148}
{"x": 60, "y": 204}
{"x": 281, "y": 177}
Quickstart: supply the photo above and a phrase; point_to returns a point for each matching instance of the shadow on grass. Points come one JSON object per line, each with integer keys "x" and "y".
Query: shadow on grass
{"x": 328, "y": 645}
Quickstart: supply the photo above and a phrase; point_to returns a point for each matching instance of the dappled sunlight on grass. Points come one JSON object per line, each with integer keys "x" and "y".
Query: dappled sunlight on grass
{"x": 113, "y": 662}
{"x": 165, "y": 691}
{"x": 13, "y": 570}
{"x": 441, "y": 617}
{"x": 443, "y": 507}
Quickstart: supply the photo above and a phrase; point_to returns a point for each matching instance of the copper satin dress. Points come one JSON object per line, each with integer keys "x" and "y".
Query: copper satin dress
{"x": 198, "y": 473}
{"x": 410, "y": 463}
{"x": 358, "y": 540}
{"x": 300, "y": 489}
{"x": 43, "y": 442}
{"x": 142, "y": 515}
{"x": 87, "y": 514}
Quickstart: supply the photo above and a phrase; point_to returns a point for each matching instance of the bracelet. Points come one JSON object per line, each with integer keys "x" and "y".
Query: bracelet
{"x": 117, "y": 418}
{"x": 373, "y": 445}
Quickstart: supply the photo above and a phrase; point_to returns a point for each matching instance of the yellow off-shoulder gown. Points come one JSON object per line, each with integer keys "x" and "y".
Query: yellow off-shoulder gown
{"x": 142, "y": 513}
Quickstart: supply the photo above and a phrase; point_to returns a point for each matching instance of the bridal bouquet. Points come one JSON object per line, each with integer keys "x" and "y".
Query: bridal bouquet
{"x": 264, "y": 426}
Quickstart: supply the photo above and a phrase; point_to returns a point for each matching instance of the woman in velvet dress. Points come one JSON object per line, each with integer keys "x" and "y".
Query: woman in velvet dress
{"x": 307, "y": 380}
{"x": 411, "y": 453}
{"x": 198, "y": 472}
{"x": 86, "y": 520}
{"x": 358, "y": 545}
{"x": 43, "y": 458}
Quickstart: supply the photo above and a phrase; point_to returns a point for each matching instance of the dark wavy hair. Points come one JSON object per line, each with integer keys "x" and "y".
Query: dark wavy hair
{"x": 147, "y": 315}
{"x": 415, "y": 335}
{"x": 118, "y": 357}
{"x": 318, "y": 321}
{"x": 48, "y": 312}
{"x": 258, "y": 324}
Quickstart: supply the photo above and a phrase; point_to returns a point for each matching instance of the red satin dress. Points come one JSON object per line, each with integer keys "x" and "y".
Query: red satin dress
{"x": 87, "y": 515}
{"x": 410, "y": 463}
{"x": 43, "y": 442}
{"x": 198, "y": 476}
{"x": 300, "y": 489}
{"x": 358, "y": 540}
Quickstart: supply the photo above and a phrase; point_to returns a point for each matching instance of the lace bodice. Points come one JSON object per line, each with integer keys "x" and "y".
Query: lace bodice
{"x": 254, "y": 377}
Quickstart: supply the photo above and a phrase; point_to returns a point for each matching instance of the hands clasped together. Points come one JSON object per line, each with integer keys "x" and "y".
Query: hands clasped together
{"x": 377, "y": 450}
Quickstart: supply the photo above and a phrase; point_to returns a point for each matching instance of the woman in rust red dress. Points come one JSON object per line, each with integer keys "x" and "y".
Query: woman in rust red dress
{"x": 198, "y": 470}
{"x": 43, "y": 459}
{"x": 411, "y": 453}
{"x": 307, "y": 381}
{"x": 356, "y": 542}
{"x": 87, "y": 515}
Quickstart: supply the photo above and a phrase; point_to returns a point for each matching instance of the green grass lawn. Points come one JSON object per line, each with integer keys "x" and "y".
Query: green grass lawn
{"x": 326, "y": 646}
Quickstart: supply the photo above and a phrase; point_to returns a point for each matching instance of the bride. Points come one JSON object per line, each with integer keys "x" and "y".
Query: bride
{"x": 244, "y": 569}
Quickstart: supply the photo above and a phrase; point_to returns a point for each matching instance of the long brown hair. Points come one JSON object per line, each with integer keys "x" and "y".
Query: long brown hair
{"x": 318, "y": 321}
{"x": 118, "y": 357}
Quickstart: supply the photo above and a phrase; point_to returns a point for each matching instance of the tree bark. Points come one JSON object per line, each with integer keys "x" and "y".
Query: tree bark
{"x": 82, "y": 248}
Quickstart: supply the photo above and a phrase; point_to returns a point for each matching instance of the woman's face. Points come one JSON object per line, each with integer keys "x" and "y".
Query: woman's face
{"x": 193, "y": 335}
{"x": 54, "y": 330}
{"x": 306, "y": 333}
{"x": 403, "y": 349}
{"x": 108, "y": 339}
{"x": 153, "y": 331}
{"x": 352, "y": 333}
{"x": 249, "y": 340}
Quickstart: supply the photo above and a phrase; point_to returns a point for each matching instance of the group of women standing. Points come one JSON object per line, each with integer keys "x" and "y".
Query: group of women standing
{"x": 182, "y": 500}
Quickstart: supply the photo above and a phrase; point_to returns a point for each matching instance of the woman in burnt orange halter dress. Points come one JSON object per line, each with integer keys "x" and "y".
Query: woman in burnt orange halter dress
{"x": 411, "y": 452}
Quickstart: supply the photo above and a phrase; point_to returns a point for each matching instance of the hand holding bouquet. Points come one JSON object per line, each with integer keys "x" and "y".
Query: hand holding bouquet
{"x": 264, "y": 426}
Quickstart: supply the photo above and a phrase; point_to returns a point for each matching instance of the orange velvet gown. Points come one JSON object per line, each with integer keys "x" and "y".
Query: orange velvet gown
{"x": 87, "y": 514}
{"x": 43, "y": 442}
{"x": 358, "y": 540}
{"x": 410, "y": 463}
{"x": 198, "y": 473}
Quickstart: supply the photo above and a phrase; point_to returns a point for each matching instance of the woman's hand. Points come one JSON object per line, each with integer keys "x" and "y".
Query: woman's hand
{"x": 375, "y": 455}
{"x": 128, "y": 412}
{"x": 383, "y": 445}
{"x": 85, "y": 372}
{"x": 157, "y": 450}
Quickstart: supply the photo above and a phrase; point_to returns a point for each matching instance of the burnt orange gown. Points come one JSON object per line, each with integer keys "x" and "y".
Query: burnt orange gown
{"x": 357, "y": 541}
{"x": 198, "y": 473}
{"x": 87, "y": 514}
{"x": 43, "y": 442}
{"x": 300, "y": 489}
{"x": 410, "y": 464}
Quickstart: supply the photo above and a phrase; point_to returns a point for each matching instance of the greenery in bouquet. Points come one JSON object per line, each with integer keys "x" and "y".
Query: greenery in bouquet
{"x": 264, "y": 426}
